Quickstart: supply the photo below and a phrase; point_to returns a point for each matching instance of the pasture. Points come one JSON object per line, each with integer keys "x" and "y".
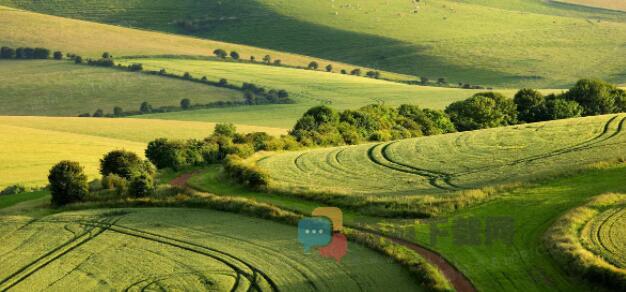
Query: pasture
{"x": 605, "y": 235}
{"x": 506, "y": 43}
{"x": 446, "y": 163}
{"x": 177, "y": 249}
{"x": 56, "y": 88}
{"x": 31, "y": 145}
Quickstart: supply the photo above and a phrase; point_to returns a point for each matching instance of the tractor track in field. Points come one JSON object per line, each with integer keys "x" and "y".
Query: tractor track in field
{"x": 458, "y": 280}
{"x": 52, "y": 255}
{"x": 254, "y": 275}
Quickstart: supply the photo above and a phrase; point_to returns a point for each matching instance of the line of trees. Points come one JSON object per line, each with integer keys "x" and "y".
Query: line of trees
{"x": 28, "y": 53}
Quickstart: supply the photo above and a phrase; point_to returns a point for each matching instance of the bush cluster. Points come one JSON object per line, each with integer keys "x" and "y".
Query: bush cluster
{"x": 26, "y": 53}
{"x": 14, "y": 190}
{"x": 322, "y": 125}
{"x": 127, "y": 174}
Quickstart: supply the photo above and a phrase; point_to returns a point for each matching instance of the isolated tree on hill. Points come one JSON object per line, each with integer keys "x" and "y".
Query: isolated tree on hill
{"x": 185, "y": 103}
{"x": 234, "y": 55}
{"x": 267, "y": 59}
{"x": 68, "y": 183}
{"x": 529, "y": 105}
{"x": 58, "y": 55}
{"x": 356, "y": 72}
{"x": 313, "y": 65}
{"x": 106, "y": 55}
{"x": 329, "y": 68}
{"x": 220, "y": 53}
{"x": 7, "y": 53}
{"x": 145, "y": 107}
{"x": 118, "y": 111}
{"x": 98, "y": 113}
{"x": 343, "y": 71}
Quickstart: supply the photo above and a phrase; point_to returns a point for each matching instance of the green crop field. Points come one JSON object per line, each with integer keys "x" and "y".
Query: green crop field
{"x": 451, "y": 162}
{"x": 605, "y": 235}
{"x": 491, "y": 42}
{"x": 31, "y": 145}
{"x": 62, "y": 88}
{"x": 177, "y": 249}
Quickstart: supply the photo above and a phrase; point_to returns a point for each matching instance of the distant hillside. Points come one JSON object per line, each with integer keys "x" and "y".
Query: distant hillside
{"x": 605, "y": 4}
{"x": 509, "y": 43}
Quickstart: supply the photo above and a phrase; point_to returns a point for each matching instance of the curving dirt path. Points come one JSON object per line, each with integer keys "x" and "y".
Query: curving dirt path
{"x": 459, "y": 281}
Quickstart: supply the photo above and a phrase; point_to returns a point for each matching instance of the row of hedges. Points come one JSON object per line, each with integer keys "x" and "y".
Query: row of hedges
{"x": 563, "y": 243}
{"x": 28, "y": 53}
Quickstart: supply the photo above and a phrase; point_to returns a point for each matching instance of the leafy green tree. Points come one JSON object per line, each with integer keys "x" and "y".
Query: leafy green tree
{"x": 125, "y": 164}
{"x": 530, "y": 105}
{"x": 106, "y": 55}
{"x": 441, "y": 120}
{"x": 556, "y": 107}
{"x": 481, "y": 111}
{"x": 220, "y": 53}
{"x": 58, "y": 55}
{"x": 145, "y": 107}
{"x": 185, "y": 103}
{"x": 40, "y": 53}
{"x": 226, "y": 130}
{"x": 142, "y": 186}
{"x": 68, "y": 183}
{"x": 118, "y": 111}
{"x": 78, "y": 60}
{"x": 267, "y": 59}
{"x": 424, "y": 80}
{"x": 234, "y": 55}
{"x": 7, "y": 53}
{"x": 356, "y": 72}
{"x": 595, "y": 96}
{"x": 329, "y": 68}
{"x": 313, "y": 65}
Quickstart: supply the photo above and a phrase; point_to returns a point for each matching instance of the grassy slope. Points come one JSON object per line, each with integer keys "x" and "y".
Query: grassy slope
{"x": 63, "y": 88}
{"x": 485, "y": 157}
{"x": 308, "y": 87}
{"x": 605, "y": 4}
{"x": 91, "y": 39}
{"x": 506, "y": 43}
{"x": 605, "y": 234}
{"x": 33, "y": 144}
{"x": 153, "y": 242}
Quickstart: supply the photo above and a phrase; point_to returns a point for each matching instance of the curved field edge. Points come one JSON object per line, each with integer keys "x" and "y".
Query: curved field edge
{"x": 92, "y": 39}
{"x": 563, "y": 241}
{"x": 426, "y": 274}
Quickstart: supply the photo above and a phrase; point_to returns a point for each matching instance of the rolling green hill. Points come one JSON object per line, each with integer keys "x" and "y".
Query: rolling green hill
{"x": 604, "y": 4}
{"x": 37, "y": 87}
{"x": 177, "y": 249}
{"x": 404, "y": 170}
{"x": 493, "y": 42}
{"x": 31, "y": 145}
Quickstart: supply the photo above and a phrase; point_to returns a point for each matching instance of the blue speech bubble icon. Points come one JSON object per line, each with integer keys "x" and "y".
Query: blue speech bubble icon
{"x": 315, "y": 231}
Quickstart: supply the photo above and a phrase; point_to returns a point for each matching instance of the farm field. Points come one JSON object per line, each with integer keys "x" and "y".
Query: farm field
{"x": 506, "y": 43}
{"x": 419, "y": 166}
{"x": 91, "y": 39}
{"x": 180, "y": 249}
{"x": 33, "y": 144}
{"x": 605, "y": 235}
{"x": 605, "y": 4}
{"x": 57, "y": 88}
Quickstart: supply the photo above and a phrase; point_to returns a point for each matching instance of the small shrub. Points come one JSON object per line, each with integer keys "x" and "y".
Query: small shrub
{"x": 234, "y": 55}
{"x": 58, "y": 55}
{"x": 220, "y": 53}
{"x": 142, "y": 186}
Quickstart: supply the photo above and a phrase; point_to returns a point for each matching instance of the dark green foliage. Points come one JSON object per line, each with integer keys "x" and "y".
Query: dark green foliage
{"x": 220, "y": 53}
{"x": 267, "y": 59}
{"x": 98, "y": 113}
{"x": 234, "y": 55}
{"x": 135, "y": 67}
{"x": 106, "y": 55}
{"x": 101, "y": 62}
{"x": 481, "y": 111}
{"x": 244, "y": 173}
{"x": 187, "y": 76}
{"x": 145, "y": 107}
{"x": 596, "y": 97}
{"x": 7, "y": 53}
{"x": 373, "y": 74}
{"x": 13, "y": 190}
{"x": 329, "y": 68}
{"x": 118, "y": 111}
{"x": 227, "y": 130}
{"x": 556, "y": 107}
{"x": 115, "y": 182}
{"x": 278, "y": 62}
{"x": 84, "y": 115}
{"x": 125, "y": 164}
{"x": 142, "y": 186}
{"x": 356, "y": 72}
{"x": 68, "y": 183}
{"x": 223, "y": 82}
{"x": 41, "y": 53}
{"x": 530, "y": 105}
{"x": 78, "y": 60}
{"x": 185, "y": 103}
{"x": 58, "y": 55}
{"x": 343, "y": 71}
{"x": 424, "y": 80}
{"x": 178, "y": 154}
{"x": 313, "y": 65}
{"x": 442, "y": 81}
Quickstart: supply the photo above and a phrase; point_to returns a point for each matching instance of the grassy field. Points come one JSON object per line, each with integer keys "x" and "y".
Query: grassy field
{"x": 605, "y": 4}
{"x": 308, "y": 88}
{"x": 33, "y": 144}
{"x": 92, "y": 39}
{"x": 63, "y": 88}
{"x": 452, "y": 162}
{"x": 177, "y": 249}
{"x": 493, "y": 42}
{"x": 605, "y": 235}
